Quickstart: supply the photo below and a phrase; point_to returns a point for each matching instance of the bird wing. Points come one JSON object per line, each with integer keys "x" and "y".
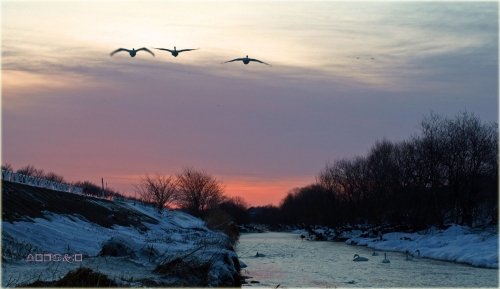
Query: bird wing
{"x": 145, "y": 49}
{"x": 118, "y": 50}
{"x": 182, "y": 50}
{"x": 256, "y": 60}
{"x": 164, "y": 49}
{"x": 236, "y": 59}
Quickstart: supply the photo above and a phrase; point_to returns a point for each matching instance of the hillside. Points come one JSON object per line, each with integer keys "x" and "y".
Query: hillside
{"x": 47, "y": 234}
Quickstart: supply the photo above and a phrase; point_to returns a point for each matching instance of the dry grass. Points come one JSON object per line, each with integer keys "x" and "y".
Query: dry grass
{"x": 82, "y": 277}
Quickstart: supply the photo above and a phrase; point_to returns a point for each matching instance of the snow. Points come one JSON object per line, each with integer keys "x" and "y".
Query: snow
{"x": 457, "y": 243}
{"x": 176, "y": 234}
{"x": 59, "y": 234}
{"x": 299, "y": 232}
{"x": 350, "y": 234}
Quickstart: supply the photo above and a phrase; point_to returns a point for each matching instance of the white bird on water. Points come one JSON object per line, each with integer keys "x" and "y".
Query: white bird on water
{"x": 357, "y": 258}
{"x": 247, "y": 60}
{"x": 176, "y": 52}
{"x": 132, "y": 52}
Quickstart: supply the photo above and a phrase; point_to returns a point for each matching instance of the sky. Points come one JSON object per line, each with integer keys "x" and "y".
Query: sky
{"x": 70, "y": 108}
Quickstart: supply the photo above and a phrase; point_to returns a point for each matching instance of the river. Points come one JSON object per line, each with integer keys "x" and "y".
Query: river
{"x": 292, "y": 262}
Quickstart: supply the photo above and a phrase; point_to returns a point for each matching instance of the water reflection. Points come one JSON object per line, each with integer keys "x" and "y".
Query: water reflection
{"x": 293, "y": 262}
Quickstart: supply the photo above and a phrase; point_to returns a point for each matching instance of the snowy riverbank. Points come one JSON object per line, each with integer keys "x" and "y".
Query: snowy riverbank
{"x": 133, "y": 245}
{"x": 456, "y": 243}
{"x": 476, "y": 247}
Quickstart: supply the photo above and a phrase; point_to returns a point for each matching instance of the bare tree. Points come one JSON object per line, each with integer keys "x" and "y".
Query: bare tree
{"x": 333, "y": 177}
{"x": 30, "y": 170}
{"x": 431, "y": 149}
{"x": 7, "y": 167}
{"x": 471, "y": 153}
{"x": 198, "y": 191}
{"x": 54, "y": 177}
{"x": 159, "y": 190}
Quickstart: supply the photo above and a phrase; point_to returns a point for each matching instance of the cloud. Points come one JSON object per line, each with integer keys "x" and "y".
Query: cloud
{"x": 324, "y": 42}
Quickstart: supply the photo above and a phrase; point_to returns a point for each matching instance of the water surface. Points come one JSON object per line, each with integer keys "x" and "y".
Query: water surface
{"x": 293, "y": 262}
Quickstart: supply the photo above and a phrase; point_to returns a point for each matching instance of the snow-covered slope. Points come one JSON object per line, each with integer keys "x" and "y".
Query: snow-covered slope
{"x": 457, "y": 244}
{"x": 129, "y": 252}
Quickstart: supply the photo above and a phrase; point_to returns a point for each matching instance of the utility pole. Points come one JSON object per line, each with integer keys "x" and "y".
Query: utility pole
{"x": 102, "y": 184}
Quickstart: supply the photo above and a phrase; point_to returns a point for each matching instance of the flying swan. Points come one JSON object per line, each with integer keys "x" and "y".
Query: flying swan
{"x": 247, "y": 60}
{"x": 176, "y": 52}
{"x": 132, "y": 52}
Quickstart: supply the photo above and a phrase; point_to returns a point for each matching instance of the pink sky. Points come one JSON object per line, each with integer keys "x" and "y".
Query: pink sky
{"x": 68, "y": 107}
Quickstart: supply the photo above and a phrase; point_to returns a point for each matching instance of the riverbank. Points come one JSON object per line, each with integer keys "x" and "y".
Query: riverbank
{"x": 472, "y": 246}
{"x": 476, "y": 247}
{"x": 48, "y": 236}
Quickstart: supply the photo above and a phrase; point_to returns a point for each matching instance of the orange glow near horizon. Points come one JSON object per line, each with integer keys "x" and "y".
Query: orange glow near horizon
{"x": 254, "y": 191}
{"x": 262, "y": 192}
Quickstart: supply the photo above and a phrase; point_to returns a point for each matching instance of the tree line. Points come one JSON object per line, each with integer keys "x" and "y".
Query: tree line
{"x": 198, "y": 193}
{"x": 30, "y": 170}
{"x": 88, "y": 187}
{"x": 446, "y": 173}
{"x": 192, "y": 190}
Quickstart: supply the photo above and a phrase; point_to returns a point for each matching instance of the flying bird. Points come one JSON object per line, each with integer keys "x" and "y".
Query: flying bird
{"x": 247, "y": 60}
{"x": 176, "y": 52}
{"x": 132, "y": 52}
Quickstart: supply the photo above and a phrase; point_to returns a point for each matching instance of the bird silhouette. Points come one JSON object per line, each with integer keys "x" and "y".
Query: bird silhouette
{"x": 247, "y": 60}
{"x": 357, "y": 258}
{"x": 176, "y": 52}
{"x": 385, "y": 259}
{"x": 132, "y": 52}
